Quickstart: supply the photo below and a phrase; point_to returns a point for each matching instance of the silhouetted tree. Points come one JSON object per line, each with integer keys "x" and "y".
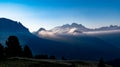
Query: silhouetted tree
{"x": 63, "y": 58}
{"x": 27, "y": 52}
{"x": 101, "y": 63}
{"x": 13, "y": 47}
{"x": 1, "y": 51}
{"x": 41, "y": 57}
{"x": 52, "y": 57}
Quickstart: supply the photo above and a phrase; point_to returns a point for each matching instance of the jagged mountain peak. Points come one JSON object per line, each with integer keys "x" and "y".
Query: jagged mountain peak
{"x": 75, "y": 25}
{"x": 69, "y": 27}
{"x": 41, "y": 29}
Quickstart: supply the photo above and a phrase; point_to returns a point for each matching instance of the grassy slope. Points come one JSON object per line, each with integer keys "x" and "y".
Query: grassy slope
{"x": 44, "y": 63}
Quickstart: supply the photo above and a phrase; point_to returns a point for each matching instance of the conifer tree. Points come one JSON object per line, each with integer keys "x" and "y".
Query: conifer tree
{"x": 13, "y": 48}
{"x": 27, "y": 52}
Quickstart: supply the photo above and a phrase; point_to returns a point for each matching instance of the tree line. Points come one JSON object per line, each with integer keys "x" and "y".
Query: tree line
{"x": 14, "y": 49}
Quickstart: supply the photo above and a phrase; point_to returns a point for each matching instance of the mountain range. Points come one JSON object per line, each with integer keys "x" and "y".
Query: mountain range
{"x": 77, "y": 34}
{"x": 75, "y": 29}
{"x": 71, "y": 41}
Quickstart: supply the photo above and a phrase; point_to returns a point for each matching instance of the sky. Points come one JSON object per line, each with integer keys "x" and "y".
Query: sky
{"x": 48, "y": 14}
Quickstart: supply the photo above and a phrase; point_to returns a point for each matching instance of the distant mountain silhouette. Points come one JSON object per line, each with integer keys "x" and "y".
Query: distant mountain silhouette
{"x": 72, "y": 47}
{"x": 111, "y": 27}
{"x": 80, "y": 27}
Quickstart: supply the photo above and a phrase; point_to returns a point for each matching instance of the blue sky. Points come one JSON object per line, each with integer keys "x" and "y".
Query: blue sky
{"x": 50, "y": 13}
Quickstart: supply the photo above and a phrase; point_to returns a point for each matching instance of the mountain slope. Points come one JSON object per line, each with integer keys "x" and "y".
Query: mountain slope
{"x": 7, "y": 25}
{"x": 112, "y": 37}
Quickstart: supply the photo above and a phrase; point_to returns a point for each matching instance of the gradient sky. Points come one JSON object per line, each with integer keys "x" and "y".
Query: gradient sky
{"x": 50, "y": 13}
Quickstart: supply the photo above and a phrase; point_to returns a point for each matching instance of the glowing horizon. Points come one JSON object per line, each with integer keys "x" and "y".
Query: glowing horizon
{"x": 51, "y": 13}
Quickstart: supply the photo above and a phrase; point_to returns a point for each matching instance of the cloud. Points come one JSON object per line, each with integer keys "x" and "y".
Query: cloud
{"x": 73, "y": 31}
{"x": 102, "y": 32}
{"x": 47, "y": 34}
{"x": 58, "y": 33}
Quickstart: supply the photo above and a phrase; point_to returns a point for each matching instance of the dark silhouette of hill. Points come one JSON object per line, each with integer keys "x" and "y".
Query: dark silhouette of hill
{"x": 112, "y": 38}
{"x": 7, "y": 25}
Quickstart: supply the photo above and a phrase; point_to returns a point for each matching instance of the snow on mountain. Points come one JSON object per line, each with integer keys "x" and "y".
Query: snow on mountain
{"x": 67, "y": 28}
{"x": 75, "y": 29}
